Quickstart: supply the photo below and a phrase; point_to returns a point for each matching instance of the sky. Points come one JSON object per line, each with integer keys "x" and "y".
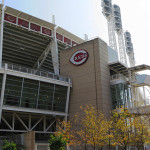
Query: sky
{"x": 85, "y": 17}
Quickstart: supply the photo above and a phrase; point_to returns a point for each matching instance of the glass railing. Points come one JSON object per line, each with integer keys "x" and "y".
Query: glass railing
{"x": 135, "y": 104}
{"x": 45, "y": 74}
{"x": 118, "y": 76}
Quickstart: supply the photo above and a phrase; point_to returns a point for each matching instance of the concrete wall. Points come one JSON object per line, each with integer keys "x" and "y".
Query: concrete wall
{"x": 29, "y": 140}
{"x": 91, "y": 80}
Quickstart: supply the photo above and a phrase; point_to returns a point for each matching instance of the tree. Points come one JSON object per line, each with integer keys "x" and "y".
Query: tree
{"x": 121, "y": 128}
{"x": 57, "y": 142}
{"x": 88, "y": 129}
{"x": 129, "y": 129}
{"x": 141, "y": 133}
{"x": 9, "y": 145}
{"x": 96, "y": 127}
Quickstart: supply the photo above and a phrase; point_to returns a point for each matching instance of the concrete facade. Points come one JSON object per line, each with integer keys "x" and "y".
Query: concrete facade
{"x": 29, "y": 140}
{"x": 91, "y": 80}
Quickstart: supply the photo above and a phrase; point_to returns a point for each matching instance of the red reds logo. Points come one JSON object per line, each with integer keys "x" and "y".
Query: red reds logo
{"x": 79, "y": 57}
{"x": 11, "y": 18}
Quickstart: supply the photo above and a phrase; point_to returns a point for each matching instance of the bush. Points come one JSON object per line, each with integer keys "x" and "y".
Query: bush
{"x": 9, "y": 145}
{"x": 57, "y": 143}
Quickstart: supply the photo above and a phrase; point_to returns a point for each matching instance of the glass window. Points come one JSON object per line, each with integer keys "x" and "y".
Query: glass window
{"x": 45, "y": 96}
{"x": 30, "y": 93}
{"x": 12, "y": 90}
{"x": 118, "y": 95}
{"x": 1, "y": 79}
{"x": 60, "y": 96}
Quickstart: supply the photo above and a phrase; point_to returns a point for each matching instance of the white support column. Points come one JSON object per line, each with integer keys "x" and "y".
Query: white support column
{"x": 29, "y": 121}
{"x": 122, "y": 53}
{"x": 3, "y": 90}
{"x": 1, "y": 32}
{"x": 44, "y": 123}
{"x": 144, "y": 96}
{"x": 21, "y": 92}
{"x": 43, "y": 57}
{"x": 13, "y": 121}
{"x": 54, "y": 52}
{"x": 86, "y": 37}
{"x": 111, "y": 34}
{"x": 67, "y": 100}
{"x": 53, "y": 19}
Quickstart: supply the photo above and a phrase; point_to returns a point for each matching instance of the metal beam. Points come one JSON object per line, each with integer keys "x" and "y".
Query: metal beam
{"x": 29, "y": 121}
{"x": 55, "y": 58}
{"x": 42, "y": 58}
{"x": 13, "y": 121}
{"x": 36, "y": 77}
{"x": 54, "y": 52}
{"x": 1, "y": 33}
{"x": 67, "y": 100}
{"x": 3, "y": 90}
{"x": 37, "y": 123}
{"x": 24, "y": 45}
{"x": 22, "y": 122}
{"x": 18, "y": 37}
{"x": 30, "y": 35}
{"x": 7, "y": 123}
{"x": 50, "y": 126}
{"x": 44, "y": 123}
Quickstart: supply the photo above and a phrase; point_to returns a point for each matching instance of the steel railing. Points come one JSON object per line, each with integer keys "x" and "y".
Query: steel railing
{"x": 45, "y": 74}
{"x": 140, "y": 103}
{"x": 118, "y": 76}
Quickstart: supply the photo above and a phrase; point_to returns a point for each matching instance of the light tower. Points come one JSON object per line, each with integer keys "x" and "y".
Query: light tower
{"x": 108, "y": 13}
{"x": 119, "y": 30}
{"x": 129, "y": 48}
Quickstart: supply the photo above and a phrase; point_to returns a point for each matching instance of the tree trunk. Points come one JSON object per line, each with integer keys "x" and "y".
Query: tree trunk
{"x": 85, "y": 146}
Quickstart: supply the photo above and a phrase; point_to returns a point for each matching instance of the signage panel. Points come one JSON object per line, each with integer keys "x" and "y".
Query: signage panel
{"x": 23, "y": 23}
{"x": 59, "y": 37}
{"x": 10, "y": 18}
{"x": 46, "y": 31}
{"x": 35, "y": 27}
{"x": 79, "y": 57}
{"x": 68, "y": 41}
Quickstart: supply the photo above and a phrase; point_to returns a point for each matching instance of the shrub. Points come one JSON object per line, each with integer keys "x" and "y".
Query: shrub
{"x": 57, "y": 142}
{"x": 9, "y": 145}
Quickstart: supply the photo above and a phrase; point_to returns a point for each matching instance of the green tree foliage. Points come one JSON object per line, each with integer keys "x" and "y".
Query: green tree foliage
{"x": 9, "y": 145}
{"x": 57, "y": 142}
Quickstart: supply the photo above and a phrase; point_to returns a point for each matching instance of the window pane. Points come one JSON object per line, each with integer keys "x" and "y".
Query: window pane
{"x": 60, "y": 96}
{"x": 45, "y": 96}
{"x": 12, "y": 90}
{"x": 30, "y": 93}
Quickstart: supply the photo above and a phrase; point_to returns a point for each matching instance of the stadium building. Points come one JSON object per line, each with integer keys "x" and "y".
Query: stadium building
{"x": 47, "y": 73}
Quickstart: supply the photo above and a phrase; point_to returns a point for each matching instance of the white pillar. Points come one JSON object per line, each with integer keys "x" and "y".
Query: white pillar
{"x": 53, "y": 19}
{"x": 144, "y": 96}
{"x": 3, "y": 91}
{"x": 54, "y": 52}
{"x": 86, "y": 37}
{"x": 67, "y": 100}
{"x": 1, "y": 33}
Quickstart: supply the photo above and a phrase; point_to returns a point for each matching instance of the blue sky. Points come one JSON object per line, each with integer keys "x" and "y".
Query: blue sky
{"x": 85, "y": 17}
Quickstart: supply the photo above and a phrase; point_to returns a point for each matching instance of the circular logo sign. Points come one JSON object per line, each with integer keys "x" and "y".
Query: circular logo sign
{"x": 79, "y": 57}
